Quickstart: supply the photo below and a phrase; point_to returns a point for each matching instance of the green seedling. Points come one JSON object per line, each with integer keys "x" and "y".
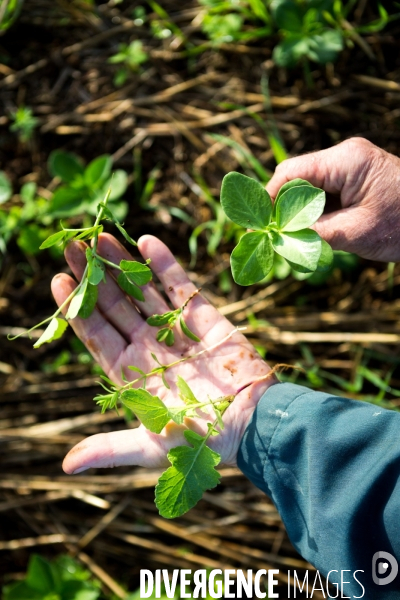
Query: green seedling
{"x": 83, "y": 188}
{"x": 9, "y": 12}
{"x": 131, "y": 56}
{"x": 82, "y": 301}
{"x": 225, "y": 22}
{"x": 192, "y": 469}
{"x": 62, "y": 578}
{"x": 24, "y": 123}
{"x": 282, "y": 228}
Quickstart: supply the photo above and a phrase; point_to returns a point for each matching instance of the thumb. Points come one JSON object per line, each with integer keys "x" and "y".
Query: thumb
{"x": 129, "y": 447}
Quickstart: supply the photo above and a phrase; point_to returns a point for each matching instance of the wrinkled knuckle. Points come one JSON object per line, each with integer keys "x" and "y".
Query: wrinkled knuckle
{"x": 357, "y": 146}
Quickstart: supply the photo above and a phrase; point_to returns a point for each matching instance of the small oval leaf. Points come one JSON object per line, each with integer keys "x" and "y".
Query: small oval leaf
{"x": 252, "y": 259}
{"x": 245, "y": 201}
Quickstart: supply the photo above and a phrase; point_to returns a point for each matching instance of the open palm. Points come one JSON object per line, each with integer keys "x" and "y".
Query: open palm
{"x": 118, "y": 336}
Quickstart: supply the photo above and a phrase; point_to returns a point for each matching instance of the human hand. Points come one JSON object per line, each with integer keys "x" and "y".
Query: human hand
{"x": 368, "y": 181}
{"x": 117, "y": 335}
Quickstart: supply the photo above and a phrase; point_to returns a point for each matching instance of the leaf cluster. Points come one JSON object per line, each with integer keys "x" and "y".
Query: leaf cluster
{"x": 192, "y": 469}
{"x": 131, "y": 56}
{"x": 167, "y": 321}
{"x": 82, "y": 301}
{"x": 83, "y": 188}
{"x": 306, "y": 32}
{"x": 62, "y": 578}
{"x": 282, "y": 228}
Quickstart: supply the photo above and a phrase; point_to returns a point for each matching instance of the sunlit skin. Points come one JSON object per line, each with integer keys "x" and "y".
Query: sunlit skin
{"x": 117, "y": 335}
{"x": 367, "y": 180}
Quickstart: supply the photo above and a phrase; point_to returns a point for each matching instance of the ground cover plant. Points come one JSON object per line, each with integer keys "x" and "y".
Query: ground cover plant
{"x": 174, "y": 112}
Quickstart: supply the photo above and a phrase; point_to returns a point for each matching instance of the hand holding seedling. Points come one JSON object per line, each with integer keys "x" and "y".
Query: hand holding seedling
{"x": 118, "y": 336}
{"x": 368, "y": 181}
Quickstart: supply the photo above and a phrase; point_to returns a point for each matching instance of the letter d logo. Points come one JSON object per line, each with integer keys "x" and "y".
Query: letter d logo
{"x": 380, "y": 566}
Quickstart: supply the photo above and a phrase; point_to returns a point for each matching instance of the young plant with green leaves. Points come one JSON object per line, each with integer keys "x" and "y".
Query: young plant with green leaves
{"x": 130, "y": 56}
{"x": 62, "y": 578}
{"x": 282, "y": 227}
{"x": 82, "y": 301}
{"x": 84, "y": 187}
{"x": 23, "y": 123}
{"x": 192, "y": 469}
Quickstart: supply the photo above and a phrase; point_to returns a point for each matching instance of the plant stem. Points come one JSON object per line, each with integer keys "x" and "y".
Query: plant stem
{"x": 163, "y": 368}
{"x": 108, "y": 262}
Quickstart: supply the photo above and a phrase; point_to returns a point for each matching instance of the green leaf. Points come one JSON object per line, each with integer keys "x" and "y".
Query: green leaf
{"x": 192, "y": 472}
{"x": 326, "y": 258}
{"x": 187, "y": 331}
{"x": 185, "y": 393}
{"x": 178, "y": 414}
{"x": 166, "y": 335}
{"x": 98, "y": 170}
{"x": 31, "y": 237}
{"x": 67, "y": 202}
{"x": 118, "y": 184}
{"x": 130, "y": 287}
{"x": 162, "y": 334}
{"x": 158, "y": 320}
{"x": 5, "y": 188}
{"x": 125, "y": 234}
{"x": 325, "y": 47}
{"x": 89, "y": 301}
{"x": 290, "y": 50}
{"x": 52, "y": 240}
{"x": 299, "y": 207}
{"x": 300, "y": 247}
{"x": 19, "y": 591}
{"x": 77, "y": 301}
{"x": 289, "y": 184}
{"x": 96, "y": 268}
{"x": 40, "y": 576}
{"x": 245, "y": 201}
{"x": 150, "y": 410}
{"x": 28, "y": 192}
{"x": 89, "y": 233}
{"x": 138, "y": 272}
{"x": 65, "y": 165}
{"x": 53, "y": 331}
{"x": 252, "y": 259}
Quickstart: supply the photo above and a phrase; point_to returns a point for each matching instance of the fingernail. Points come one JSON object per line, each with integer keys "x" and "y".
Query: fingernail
{"x": 79, "y": 470}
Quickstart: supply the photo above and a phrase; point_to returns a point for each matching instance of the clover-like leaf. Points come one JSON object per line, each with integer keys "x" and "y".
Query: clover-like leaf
{"x": 301, "y": 248}
{"x": 137, "y": 272}
{"x": 252, "y": 259}
{"x": 326, "y": 258}
{"x": 245, "y": 201}
{"x": 150, "y": 410}
{"x": 53, "y": 331}
{"x": 299, "y": 207}
{"x": 191, "y": 473}
{"x": 130, "y": 287}
{"x": 289, "y": 184}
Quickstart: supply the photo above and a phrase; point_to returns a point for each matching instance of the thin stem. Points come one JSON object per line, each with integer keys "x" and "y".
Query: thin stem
{"x": 54, "y": 315}
{"x": 108, "y": 262}
{"x": 164, "y": 368}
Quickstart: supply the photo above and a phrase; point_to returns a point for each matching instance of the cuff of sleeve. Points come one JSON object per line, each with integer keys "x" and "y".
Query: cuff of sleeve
{"x": 255, "y": 446}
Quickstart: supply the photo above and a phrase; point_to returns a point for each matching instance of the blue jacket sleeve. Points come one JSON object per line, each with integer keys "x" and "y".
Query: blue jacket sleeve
{"x": 331, "y": 466}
